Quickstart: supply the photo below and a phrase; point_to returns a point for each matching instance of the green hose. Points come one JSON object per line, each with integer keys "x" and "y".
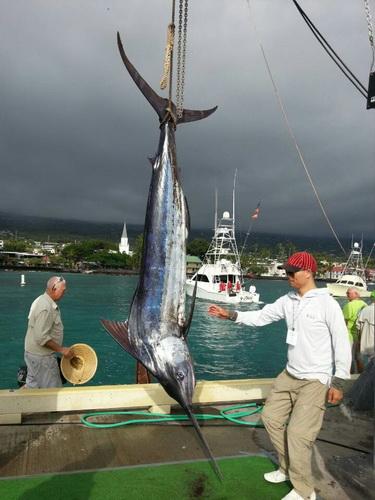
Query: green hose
{"x": 161, "y": 417}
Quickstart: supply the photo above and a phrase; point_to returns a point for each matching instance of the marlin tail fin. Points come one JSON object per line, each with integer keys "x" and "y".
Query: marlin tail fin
{"x": 160, "y": 104}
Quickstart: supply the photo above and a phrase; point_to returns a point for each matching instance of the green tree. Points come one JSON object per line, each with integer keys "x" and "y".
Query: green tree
{"x": 280, "y": 251}
{"x": 112, "y": 260}
{"x": 198, "y": 247}
{"x": 137, "y": 252}
{"x": 16, "y": 246}
{"x": 85, "y": 250}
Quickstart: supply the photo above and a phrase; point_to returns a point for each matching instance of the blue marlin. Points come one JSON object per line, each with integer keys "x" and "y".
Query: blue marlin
{"x": 156, "y": 331}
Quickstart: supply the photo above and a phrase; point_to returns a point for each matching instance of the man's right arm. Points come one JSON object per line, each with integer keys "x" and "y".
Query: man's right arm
{"x": 269, "y": 314}
{"x": 65, "y": 351}
{"x": 42, "y": 333}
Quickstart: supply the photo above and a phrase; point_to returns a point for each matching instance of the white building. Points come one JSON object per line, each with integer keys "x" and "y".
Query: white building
{"x": 273, "y": 269}
{"x": 124, "y": 243}
{"x": 49, "y": 247}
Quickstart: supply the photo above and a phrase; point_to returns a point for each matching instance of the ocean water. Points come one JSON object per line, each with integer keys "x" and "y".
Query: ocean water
{"x": 221, "y": 350}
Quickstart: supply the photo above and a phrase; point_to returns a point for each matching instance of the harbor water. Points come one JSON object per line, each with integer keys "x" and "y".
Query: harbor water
{"x": 221, "y": 350}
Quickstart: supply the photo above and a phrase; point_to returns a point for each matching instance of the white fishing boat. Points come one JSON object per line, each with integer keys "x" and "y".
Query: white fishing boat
{"x": 352, "y": 276}
{"x": 220, "y": 278}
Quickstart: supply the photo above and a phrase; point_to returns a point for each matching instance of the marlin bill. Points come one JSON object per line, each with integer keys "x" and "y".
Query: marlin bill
{"x": 156, "y": 331}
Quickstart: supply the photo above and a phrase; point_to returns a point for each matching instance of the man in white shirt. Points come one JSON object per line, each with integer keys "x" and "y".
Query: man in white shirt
{"x": 44, "y": 337}
{"x": 319, "y": 358}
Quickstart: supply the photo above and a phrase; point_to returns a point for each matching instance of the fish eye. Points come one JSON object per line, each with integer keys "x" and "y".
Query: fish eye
{"x": 180, "y": 376}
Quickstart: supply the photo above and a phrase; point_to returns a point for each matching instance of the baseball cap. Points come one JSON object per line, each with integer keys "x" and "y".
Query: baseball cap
{"x": 300, "y": 261}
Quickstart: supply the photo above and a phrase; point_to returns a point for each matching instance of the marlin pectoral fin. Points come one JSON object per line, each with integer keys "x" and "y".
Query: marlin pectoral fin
{"x": 190, "y": 115}
{"x": 119, "y": 331}
{"x": 190, "y": 317}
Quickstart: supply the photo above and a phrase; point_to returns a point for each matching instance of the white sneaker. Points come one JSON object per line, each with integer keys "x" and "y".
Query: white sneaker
{"x": 276, "y": 476}
{"x": 293, "y": 495}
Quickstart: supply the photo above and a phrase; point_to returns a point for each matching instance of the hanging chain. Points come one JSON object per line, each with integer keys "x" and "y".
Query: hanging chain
{"x": 370, "y": 30}
{"x": 181, "y": 56}
{"x": 167, "y": 56}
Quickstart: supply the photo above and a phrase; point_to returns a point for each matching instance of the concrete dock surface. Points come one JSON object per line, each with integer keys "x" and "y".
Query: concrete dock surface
{"x": 55, "y": 443}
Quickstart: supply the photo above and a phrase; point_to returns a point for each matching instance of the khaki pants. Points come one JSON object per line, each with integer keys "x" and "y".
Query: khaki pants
{"x": 304, "y": 402}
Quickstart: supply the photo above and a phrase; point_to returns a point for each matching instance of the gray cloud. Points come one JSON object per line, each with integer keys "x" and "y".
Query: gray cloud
{"x": 75, "y": 132}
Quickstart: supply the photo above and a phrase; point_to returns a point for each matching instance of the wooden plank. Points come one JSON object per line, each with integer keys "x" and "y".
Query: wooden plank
{"x": 126, "y": 396}
{"x": 10, "y": 418}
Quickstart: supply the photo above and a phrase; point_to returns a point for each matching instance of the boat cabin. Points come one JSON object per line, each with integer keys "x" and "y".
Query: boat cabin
{"x": 352, "y": 280}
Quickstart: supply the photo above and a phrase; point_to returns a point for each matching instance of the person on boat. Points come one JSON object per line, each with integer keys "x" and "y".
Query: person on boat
{"x": 222, "y": 286}
{"x": 366, "y": 328}
{"x": 238, "y": 286}
{"x": 317, "y": 341}
{"x": 44, "y": 337}
{"x": 351, "y": 310}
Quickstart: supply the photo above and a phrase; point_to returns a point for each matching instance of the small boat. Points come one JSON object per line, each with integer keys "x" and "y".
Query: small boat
{"x": 220, "y": 278}
{"x": 352, "y": 276}
{"x": 23, "y": 281}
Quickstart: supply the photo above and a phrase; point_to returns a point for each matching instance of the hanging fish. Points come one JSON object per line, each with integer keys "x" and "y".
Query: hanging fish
{"x": 156, "y": 331}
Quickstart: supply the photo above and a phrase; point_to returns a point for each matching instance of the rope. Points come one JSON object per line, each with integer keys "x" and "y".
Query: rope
{"x": 332, "y": 54}
{"x": 149, "y": 418}
{"x": 291, "y": 133}
{"x": 168, "y": 56}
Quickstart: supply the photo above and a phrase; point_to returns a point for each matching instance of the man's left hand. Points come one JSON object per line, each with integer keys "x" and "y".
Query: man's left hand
{"x": 334, "y": 396}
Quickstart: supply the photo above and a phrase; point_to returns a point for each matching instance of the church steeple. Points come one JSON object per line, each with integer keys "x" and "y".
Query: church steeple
{"x": 124, "y": 243}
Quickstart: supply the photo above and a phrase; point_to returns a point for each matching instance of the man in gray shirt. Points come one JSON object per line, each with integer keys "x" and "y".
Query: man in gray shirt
{"x": 44, "y": 337}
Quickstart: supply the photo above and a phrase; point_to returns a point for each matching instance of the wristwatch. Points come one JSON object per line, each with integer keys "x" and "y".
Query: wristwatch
{"x": 232, "y": 315}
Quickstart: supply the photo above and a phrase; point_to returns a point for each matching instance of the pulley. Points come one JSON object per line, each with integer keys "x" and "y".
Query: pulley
{"x": 371, "y": 91}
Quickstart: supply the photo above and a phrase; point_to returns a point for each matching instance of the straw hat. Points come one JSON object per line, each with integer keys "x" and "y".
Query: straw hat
{"x": 82, "y": 366}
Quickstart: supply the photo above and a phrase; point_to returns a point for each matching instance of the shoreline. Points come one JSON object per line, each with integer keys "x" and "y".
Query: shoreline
{"x": 126, "y": 272}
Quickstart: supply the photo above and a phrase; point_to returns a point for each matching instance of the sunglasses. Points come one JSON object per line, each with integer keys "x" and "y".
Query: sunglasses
{"x": 60, "y": 279}
{"x": 292, "y": 273}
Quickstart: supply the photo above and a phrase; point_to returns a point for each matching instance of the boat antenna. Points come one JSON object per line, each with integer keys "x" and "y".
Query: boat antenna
{"x": 331, "y": 52}
{"x": 290, "y": 130}
{"x": 215, "y": 224}
{"x": 234, "y": 204}
{"x": 369, "y": 256}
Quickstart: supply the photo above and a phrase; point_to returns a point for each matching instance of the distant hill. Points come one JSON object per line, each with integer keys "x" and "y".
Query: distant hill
{"x": 44, "y": 228}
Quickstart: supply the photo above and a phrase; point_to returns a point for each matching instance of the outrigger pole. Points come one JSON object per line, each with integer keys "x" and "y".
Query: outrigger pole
{"x": 368, "y": 94}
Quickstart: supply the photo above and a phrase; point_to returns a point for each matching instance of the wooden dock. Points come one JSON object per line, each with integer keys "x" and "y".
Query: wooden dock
{"x": 42, "y": 433}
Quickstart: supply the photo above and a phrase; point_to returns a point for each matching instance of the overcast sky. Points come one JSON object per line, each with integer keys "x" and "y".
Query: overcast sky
{"x": 75, "y": 132}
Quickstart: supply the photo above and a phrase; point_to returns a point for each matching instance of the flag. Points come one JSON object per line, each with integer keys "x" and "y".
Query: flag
{"x": 256, "y": 212}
